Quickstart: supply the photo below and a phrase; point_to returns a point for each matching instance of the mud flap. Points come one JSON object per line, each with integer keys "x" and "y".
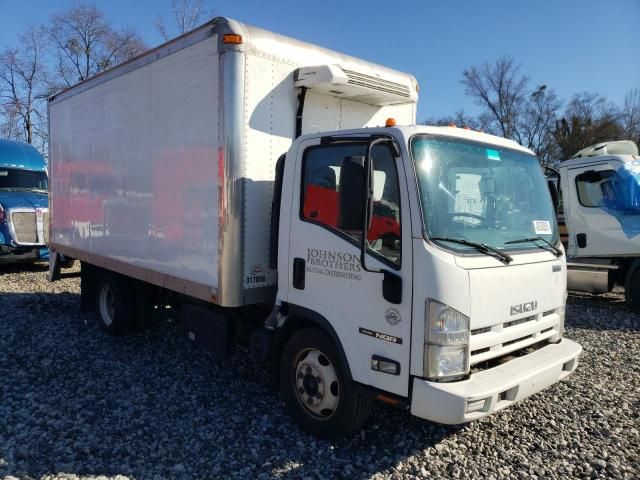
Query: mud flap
{"x": 207, "y": 330}
{"x": 54, "y": 266}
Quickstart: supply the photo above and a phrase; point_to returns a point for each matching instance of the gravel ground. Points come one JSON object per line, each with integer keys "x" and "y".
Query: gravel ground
{"x": 76, "y": 403}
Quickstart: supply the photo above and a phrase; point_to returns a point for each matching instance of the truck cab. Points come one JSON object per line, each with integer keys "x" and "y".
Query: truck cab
{"x": 600, "y": 209}
{"x": 461, "y": 313}
{"x": 24, "y": 203}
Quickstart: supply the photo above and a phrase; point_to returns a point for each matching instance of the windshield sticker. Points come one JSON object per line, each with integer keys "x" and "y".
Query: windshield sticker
{"x": 493, "y": 154}
{"x": 542, "y": 227}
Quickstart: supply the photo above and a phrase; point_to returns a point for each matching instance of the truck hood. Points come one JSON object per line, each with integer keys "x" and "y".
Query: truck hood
{"x": 23, "y": 199}
{"x": 502, "y": 294}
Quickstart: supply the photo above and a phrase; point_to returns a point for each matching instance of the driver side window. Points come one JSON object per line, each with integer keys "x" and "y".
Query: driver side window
{"x": 322, "y": 190}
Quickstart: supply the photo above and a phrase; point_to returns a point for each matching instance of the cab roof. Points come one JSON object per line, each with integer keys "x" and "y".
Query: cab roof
{"x": 14, "y": 154}
{"x": 578, "y": 162}
{"x": 462, "y": 133}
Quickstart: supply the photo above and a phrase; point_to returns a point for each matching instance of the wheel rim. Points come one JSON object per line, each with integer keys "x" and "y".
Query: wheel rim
{"x": 107, "y": 305}
{"x": 316, "y": 384}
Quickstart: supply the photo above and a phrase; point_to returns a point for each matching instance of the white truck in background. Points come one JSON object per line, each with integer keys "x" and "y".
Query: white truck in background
{"x": 598, "y": 206}
{"x": 236, "y": 170}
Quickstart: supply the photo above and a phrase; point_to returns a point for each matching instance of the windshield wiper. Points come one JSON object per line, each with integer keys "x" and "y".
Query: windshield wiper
{"x": 555, "y": 250}
{"x": 481, "y": 247}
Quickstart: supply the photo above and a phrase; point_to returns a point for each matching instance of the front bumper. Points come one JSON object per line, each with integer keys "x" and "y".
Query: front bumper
{"x": 20, "y": 255}
{"x": 491, "y": 390}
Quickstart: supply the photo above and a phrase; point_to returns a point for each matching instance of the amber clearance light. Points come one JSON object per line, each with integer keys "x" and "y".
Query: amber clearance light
{"x": 232, "y": 38}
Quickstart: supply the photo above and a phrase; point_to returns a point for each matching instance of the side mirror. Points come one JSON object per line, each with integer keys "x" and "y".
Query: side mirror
{"x": 352, "y": 193}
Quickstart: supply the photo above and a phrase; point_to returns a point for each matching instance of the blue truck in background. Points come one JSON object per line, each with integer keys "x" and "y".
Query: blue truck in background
{"x": 24, "y": 203}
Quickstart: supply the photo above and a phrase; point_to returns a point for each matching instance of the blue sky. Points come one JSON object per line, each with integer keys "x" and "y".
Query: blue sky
{"x": 570, "y": 45}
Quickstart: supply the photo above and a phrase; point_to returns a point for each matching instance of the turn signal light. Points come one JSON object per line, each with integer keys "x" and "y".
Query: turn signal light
{"x": 387, "y": 399}
{"x": 232, "y": 38}
{"x": 391, "y": 122}
{"x": 385, "y": 365}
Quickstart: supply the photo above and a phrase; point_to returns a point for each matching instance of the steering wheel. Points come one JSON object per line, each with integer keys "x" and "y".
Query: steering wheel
{"x": 468, "y": 214}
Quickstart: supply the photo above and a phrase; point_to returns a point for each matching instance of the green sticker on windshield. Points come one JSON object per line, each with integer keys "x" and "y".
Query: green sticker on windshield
{"x": 493, "y": 154}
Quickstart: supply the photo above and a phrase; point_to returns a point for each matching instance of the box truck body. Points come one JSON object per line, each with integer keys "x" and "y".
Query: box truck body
{"x": 165, "y": 165}
{"x": 234, "y": 167}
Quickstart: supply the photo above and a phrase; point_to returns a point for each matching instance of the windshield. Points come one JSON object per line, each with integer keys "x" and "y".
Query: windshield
{"x": 23, "y": 179}
{"x": 482, "y": 193}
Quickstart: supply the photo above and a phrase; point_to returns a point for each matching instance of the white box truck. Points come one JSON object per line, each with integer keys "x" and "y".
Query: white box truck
{"x": 237, "y": 169}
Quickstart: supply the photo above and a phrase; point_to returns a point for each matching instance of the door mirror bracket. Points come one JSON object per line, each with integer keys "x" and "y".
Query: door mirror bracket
{"x": 391, "y": 283}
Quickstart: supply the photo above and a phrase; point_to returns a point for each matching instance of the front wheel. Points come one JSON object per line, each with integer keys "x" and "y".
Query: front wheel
{"x": 317, "y": 391}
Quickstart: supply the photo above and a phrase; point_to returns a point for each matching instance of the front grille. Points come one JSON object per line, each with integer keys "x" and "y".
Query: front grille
{"x": 516, "y": 340}
{"x": 509, "y": 337}
{"x": 520, "y": 321}
{"x": 480, "y": 350}
{"x": 24, "y": 225}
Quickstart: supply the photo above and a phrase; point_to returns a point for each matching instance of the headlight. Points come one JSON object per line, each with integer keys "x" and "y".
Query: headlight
{"x": 446, "y": 342}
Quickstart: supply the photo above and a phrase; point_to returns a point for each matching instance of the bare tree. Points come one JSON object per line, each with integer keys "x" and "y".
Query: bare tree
{"x": 536, "y": 123}
{"x": 511, "y": 109}
{"x": 85, "y": 44}
{"x": 459, "y": 119}
{"x": 502, "y": 90}
{"x": 10, "y": 123}
{"x": 630, "y": 115}
{"x": 23, "y": 84}
{"x": 187, "y": 15}
{"x": 588, "y": 119}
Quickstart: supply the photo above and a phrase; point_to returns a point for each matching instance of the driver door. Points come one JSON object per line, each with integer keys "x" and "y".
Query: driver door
{"x": 332, "y": 282}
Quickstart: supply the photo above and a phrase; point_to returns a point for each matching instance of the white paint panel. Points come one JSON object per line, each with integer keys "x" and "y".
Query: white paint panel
{"x": 270, "y": 103}
{"x": 325, "y": 113}
{"x": 134, "y": 166}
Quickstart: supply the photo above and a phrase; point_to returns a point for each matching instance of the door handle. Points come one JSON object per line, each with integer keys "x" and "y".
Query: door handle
{"x": 582, "y": 240}
{"x": 298, "y": 273}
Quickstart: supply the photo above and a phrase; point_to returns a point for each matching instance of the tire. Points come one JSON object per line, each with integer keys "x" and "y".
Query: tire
{"x": 326, "y": 413}
{"x": 67, "y": 263}
{"x": 115, "y": 304}
{"x": 632, "y": 292}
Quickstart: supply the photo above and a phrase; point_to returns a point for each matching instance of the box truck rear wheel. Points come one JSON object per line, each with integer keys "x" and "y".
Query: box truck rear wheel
{"x": 317, "y": 391}
{"x": 115, "y": 304}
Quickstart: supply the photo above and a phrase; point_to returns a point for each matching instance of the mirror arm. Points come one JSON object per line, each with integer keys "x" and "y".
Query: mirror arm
{"x": 368, "y": 204}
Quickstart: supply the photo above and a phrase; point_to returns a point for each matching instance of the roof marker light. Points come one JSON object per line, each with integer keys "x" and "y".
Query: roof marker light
{"x": 391, "y": 122}
{"x": 232, "y": 38}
